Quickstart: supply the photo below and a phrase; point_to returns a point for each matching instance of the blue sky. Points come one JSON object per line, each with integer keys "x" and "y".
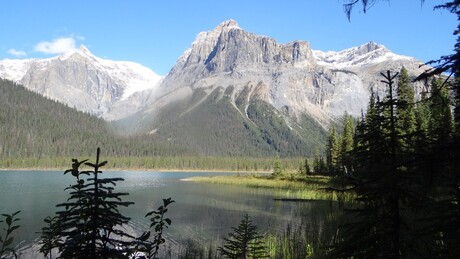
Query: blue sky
{"x": 155, "y": 33}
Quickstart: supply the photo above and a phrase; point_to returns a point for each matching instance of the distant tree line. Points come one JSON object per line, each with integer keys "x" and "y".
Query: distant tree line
{"x": 38, "y": 132}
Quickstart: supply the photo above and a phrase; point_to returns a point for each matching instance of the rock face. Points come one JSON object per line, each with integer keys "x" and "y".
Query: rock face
{"x": 81, "y": 80}
{"x": 290, "y": 77}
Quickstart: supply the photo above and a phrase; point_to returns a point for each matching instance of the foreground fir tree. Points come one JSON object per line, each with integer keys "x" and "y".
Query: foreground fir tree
{"x": 405, "y": 181}
{"x": 437, "y": 154}
{"x": 244, "y": 242}
{"x": 90, "y": 224}
{"x": 382, "y": 182}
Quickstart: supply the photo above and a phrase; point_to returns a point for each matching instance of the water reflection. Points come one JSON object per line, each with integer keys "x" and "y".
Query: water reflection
{"x": 201, "y": 212}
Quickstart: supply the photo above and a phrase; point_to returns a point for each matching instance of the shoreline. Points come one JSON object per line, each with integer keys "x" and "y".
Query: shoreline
{"x": 152, "y": 170}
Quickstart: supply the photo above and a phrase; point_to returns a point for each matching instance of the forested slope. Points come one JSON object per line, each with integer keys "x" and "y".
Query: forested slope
{"x": 39, "y": 132}
{"x": 33, "y": 126}
{"x": 211, "y": 124}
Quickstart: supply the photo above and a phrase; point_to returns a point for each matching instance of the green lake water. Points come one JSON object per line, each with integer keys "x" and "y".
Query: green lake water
{"x": 201, "y": 212}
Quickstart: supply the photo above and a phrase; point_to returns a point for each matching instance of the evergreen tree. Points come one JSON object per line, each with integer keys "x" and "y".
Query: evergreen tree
{"x": 405, "y": 112}
{"x": 316, "y": 162}
{"x": 442, "y": 174}
{"x": 332, "y": 150}
{"x": 378, "y": 228}
{"x": 437, "y": 155}
{"x": 277, "y": 171}
{"x": 346, "y": 145}
{"x": 441, "y": 125}
{"x": 49, "y": 237}
{"x": 244, "y": 242}
{"x": 307, "y": 169}
{"x": 422, "y": 118}
{"x": 90, "y": 224}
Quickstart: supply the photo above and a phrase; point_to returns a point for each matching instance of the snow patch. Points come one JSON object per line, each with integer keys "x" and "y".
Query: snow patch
{"x": 367, "y": 54}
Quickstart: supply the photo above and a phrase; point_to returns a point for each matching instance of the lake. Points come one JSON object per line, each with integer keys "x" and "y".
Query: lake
{"x": 202, "y": 211}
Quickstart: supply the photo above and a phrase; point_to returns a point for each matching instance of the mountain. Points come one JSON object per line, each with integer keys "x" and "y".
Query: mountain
{"x": 231, "y": 93}
{"x": 232, "y": 86}
{"x": 322, "y": 84}
{"x": 82, "y": 80}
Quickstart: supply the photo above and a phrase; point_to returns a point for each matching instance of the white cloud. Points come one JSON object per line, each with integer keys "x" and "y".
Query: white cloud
{"x": 56, "y": 46}
{"x": 17, "y": 53}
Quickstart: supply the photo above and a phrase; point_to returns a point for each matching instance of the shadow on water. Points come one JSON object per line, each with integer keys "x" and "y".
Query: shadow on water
{"x": 202, "y": 212}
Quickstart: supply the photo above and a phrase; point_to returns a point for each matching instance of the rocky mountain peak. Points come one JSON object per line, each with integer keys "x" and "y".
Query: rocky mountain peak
{"x": 232, "y": 51}
{"x": 228, "y": 24}
{"x": 83, "y": 49}
{"x": 367, "y": 54}
{"x": 81, "y": 53}
{"x": 369, "y": 47}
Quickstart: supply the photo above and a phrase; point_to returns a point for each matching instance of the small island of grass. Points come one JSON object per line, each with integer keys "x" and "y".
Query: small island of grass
{"x": 288, "y": 186}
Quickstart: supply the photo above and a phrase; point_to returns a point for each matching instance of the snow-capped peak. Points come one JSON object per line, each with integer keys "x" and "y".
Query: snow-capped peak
{"x": 228, "y": 24}
{"x": 132, "y": 76}
{"x": 84, "y": 49}
{"x": 366, "y": 54}
{"x": 14, "y": 69}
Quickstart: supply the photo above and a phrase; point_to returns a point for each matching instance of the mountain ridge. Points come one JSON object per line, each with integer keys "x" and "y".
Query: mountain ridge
{"x": 230, "y": 86}
{"x": 128, "y": 78}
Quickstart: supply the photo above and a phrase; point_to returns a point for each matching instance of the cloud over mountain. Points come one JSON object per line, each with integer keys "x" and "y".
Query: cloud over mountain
{"x": 56, "y": 46}
{"x": 17, "y": 53}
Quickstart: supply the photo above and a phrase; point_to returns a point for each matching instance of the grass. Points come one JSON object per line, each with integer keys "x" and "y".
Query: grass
{"x": 287, "y": 186}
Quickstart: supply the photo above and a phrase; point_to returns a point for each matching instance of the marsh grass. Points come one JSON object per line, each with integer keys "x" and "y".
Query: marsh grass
{"x": 287, "y": 186}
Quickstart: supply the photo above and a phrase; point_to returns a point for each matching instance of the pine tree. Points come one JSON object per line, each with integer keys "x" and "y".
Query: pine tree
{"x": 346, "y": 145}
{"x": 244, "y": 242}
{"x": 442, "y": 173}
{"x": 405, "y": 112}
{"x": 307, "y": 169}
{"x": 90, "y": 224}
{"x": 277, "y": 171}
{"x": 332, "y": 150}
{"x": 422, "y": 118}
{"x": 441, "y": 125}
{"x": 316, "y": 161}
{"x": 382, "y": 185}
